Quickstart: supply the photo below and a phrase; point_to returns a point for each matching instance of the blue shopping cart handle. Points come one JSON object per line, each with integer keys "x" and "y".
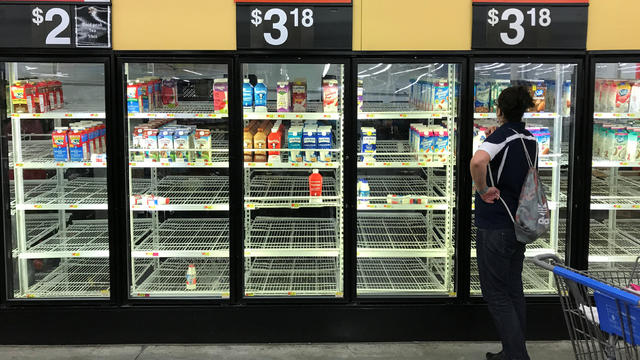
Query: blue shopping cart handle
{"x": 633, "y": 300}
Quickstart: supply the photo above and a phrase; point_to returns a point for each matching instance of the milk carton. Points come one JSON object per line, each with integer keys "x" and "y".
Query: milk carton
{"x": 368, "y": 138}
{"x": 310, "y": 143}
{"x": 150, "y": 143}
{"x": 136, "y": 143}
{"x": 324, "y": 141}
{"x": 294, "y": 142}
{"x": 60, "y": 142}
{"x": 78, "y": 147}
{"x": 220, "y": 96}
{"x": 182, "y": 143}
{"x": 202, "y": 144}
{"x": 441, "y": 145}
{"x": 330, "y": 94}
{"x": 426, "y": 145}
{"x": 165, "y": 145}
{"x": 283, "y": 96}
{"x": 299, "y": 95}
{"x": 440, "y": 99}
{"x": 620, "y": 142}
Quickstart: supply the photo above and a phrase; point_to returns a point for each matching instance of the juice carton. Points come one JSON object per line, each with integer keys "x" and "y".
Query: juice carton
{"x": 482, "y": 97}
{"x": 360, "y": 95}
{"x": 623, "y": 96}
{"x": 260, "y": 96}
{"x": 539, "y": 95}
{"x": 183, "y": 143}
{"x": 440, "y": 98}
{"x": 249, "y": 132}
{"x": 310, "y": 143}
{"x": 294, "y": 142}
{"x": 441, "y": 145}
{"x": 284, "y": 96}
{"x": 330, "y": 94}
{"x": 634, "y": 101}
{"x": 325, "y": 141}
{"x": 169, "y": 93}
{"x": 620, "y": 142}
{"x": 220, "y": 96}
{"x": 22, "y": 97}
{"x": 426, "y": 144}
{"x": 150, "y": 143}
{"x": 368, "y": 138}
{"x": 632, "y": 144}
{"x": 299, "y": 95}
{"x": 544, "y": 141}
{"x": 136, "y": 143}
{"x": 165, "y": 145}
{"x": 42, "y": 97}
{"x": 566, "y": 98}
{"x": 274, "y": 141}
{"x": 202, "y": 141}
{"x": 78, "y": 147}
{"x": 134, "y": 100}
{"x": 496, "y": 89}
{"x": 247, "y": 95}
{"x": 60, "y": 139}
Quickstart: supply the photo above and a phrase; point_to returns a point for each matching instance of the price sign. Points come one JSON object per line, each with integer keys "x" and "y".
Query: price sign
{"x": 542, "y": 24}
{"x": 305, "y": 26}
{"x": 59, "y": 26}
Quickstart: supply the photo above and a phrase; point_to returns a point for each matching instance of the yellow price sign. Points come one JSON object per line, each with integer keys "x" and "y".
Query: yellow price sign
{"x": 402, "y": 115}
{"x": 371, "y": 115}
{"x": 208, "y": 207}
{"x": 37, "y": 206}
{"x": 171, "y": 115}
{"x": 73, "y": 206}
{"x": 291, "y": 293}
{"x": 206, "y": 254}
{"x": 38, "y": 115}
{"x": 75, "y": 254}
{"x": 250, "y": 206}
{"x": 19, "y": 164}
{"x": 295, "y": 205}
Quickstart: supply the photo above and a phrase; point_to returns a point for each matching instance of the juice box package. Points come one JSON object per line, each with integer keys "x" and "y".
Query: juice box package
{"x": 169, "y": 93}
{"x": 330, "y": 95}
{"x": 53, "y": 95}
{"x": 310, "y": 143}
{"x": 368, "y": 137}
{"x": 22, "y": 97}
{"x": 60, "y": 92}
{"x": 183, "y": 143}
{"x": 497, "y": 88}
{"x": 42, "y": 97}
{"x": 165, "y": 145}
{"x": 482, "y": 97}
{"x": 634, "y": 101}
{"x": 623, "y": 96}
{"x": 619, "y": 149}
{"x": 150, "y": 144}
{"x": 440, "y": 99}
{"x": 283, "y": 100}
{"x": 78, "y": 147}
{"x": 325, "y": 140}
{"x": 220, "y": 96}
{"x": 60, "y": 140}
{"x": 202, "y": 142}
{"x": 299, "y": 95}
{"x": 539, "y": 94}
{"x": 294, "y": 142}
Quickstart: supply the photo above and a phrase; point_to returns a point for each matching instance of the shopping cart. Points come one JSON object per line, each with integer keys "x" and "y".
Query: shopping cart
{"x": 601, "y": 311}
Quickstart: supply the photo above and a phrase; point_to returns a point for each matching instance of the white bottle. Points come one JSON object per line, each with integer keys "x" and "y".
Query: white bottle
{"x": 363, "y": 191}
{"x": 191, "y": 277}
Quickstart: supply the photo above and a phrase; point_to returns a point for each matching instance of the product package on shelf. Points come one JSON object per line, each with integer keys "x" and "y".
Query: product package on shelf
{"x": 220, "y": 96}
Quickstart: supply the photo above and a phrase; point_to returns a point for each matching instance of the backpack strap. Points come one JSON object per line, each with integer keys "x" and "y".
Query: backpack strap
{"x": 501, "y": 199}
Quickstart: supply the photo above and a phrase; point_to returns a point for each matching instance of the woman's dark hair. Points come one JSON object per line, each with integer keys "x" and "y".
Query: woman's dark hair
{"x": 514, "y": 102}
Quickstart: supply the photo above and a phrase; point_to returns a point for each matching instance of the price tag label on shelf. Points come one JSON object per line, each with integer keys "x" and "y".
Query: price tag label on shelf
{"x": 294, "y": 26}
{"x": 75, "y": 254}
{"x": 541, "y": 24}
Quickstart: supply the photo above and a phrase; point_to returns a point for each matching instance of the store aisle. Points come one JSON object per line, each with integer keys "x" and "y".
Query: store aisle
{"x": 398, "y": 351}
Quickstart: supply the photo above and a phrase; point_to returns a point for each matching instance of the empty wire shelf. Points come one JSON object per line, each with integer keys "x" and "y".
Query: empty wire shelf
{"x": 614, "y": 244}
{"x": 190, "y": 193}
{"x": 277, "y": 191}
{"x": 401, "y": 276}
{"x": 400, "y": 235}
{"x": 73, "y": 278}
{"x": 167, "y": 278}
{"x": 535, "y": 280}
{"x": 404, "y": 192}
{"x": 184, "y": 238}
{"x": 274, "y": 236}
{"x": 398, "y": 153}
{"x": 293, "y": 277}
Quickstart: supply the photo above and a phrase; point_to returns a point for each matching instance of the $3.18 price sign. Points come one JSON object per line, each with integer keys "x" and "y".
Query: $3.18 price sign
{"x": 293, "y": 27}
{"x": 547, "y": 26}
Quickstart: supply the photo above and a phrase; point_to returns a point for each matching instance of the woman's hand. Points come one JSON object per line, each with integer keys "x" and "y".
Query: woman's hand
{"x": 491, "y": 195}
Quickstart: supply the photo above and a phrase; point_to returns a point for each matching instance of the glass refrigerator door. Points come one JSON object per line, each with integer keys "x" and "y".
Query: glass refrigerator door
{"x": 58, "y": 180}
{"x": 553, "y": 88}
{"x": 615, "y": 183}
{"x": 407, "y": 117}
{"x": 293, "y": 116}
{"x": 178, "y": 179}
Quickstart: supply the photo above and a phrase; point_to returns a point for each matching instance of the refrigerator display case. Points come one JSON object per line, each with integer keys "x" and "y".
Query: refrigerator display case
{"x": 615, "y": 177}
{"x": 57, "y": 174}
{"x": 406, "y": 119}
{"x": 553, "y": 88}
{"x": 293, "y": 179}
{"x": 178, "y": 154}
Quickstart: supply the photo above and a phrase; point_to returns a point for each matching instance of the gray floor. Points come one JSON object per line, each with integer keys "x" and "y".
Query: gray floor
{"x": 403, "y": 351}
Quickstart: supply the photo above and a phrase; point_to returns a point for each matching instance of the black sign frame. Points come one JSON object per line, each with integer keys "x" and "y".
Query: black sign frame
{"x": 332, "y": 27}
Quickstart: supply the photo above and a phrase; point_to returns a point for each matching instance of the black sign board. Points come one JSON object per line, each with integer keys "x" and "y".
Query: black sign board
{"x": 55, "y": 26}
{"x": 294, "y": 27}
{"x": 534, "y": 25}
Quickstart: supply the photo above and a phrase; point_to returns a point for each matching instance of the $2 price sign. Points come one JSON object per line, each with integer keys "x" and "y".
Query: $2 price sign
{"x": 53, "y": 37}
{"x": 548, "y": 25}
{"x": 279, "y": 18}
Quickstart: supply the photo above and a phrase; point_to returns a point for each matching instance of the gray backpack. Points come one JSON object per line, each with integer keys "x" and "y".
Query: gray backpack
{"x": 532, "y": 217}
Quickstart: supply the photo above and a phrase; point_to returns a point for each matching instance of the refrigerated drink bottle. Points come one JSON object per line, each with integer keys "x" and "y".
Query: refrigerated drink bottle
{"x": 363, "y": 191}
{"x": 191, "y": 277}
{"x": 260, "y": 96}
{"x": 315, "y": 186}
{"x": 247, "y": 95}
